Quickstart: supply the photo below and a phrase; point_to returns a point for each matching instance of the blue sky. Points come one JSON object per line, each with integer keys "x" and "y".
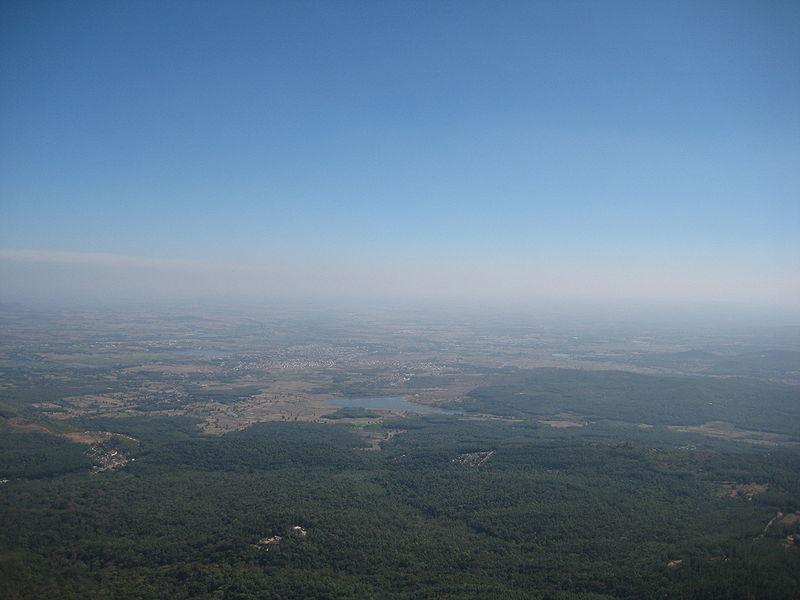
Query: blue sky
{"x": 418, "y": 137}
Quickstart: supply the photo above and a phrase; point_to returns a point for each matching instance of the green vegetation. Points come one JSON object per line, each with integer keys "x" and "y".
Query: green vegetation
{"x": 594, "y": 513}
{"x": 221, "y": 394}
{"x": 750, "y": 404}
{"x": 35, "y": 455}
{"x": 352, "y": 412}
{"x": 543, "y": 484}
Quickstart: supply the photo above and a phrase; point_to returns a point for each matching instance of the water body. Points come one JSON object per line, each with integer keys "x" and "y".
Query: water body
{"x": 390, "y": 403}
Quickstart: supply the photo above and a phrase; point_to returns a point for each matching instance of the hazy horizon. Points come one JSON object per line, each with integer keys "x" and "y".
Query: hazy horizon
{"x": 469, "y": 153}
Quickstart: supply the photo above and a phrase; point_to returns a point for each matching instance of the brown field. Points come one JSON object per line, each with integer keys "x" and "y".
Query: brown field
{"x": 743, "y": 490}
{"x": 791, "y": 519}
{"x": 87, "y": 437}
{"x": 22, "y": 425}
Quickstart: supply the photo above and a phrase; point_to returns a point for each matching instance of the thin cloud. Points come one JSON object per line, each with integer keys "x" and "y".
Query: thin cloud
{"x": 103, "y": 259}
{"x": 53, "y": 274}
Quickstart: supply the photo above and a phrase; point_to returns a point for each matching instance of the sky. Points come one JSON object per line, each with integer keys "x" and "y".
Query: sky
{"x": 486, "y": 151}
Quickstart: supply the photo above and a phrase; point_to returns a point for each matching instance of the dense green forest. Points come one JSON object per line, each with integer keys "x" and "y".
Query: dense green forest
{"x": 666, "y": 400}
{"x": 607, "y": 511}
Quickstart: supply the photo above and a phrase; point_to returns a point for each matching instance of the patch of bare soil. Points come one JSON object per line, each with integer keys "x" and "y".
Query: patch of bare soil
{"x": 674, "y": 563}
{"x": 21, "y": 425}
{"x": 473, "y": 459}
{"x": 743, "y": 490}
{"x": 268, "y": 542}
{"x": 375, "y": 440}
{"x": 769, "y": 524}
{"x": 87, "y": 437}
{"x": 561, "y": 423}
{"x": 791, "y": 541}
{"x": 273, "y": 541}
{"x": 104, "y": 456}
{"x": 791, "y": 519}
{"x": 722, "y": 429}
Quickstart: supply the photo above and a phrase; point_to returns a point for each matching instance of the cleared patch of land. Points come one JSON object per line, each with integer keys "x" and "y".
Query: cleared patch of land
{"x": 722, "y": 429}
{"x": 103, "y": 446}
{"x": 562, "y": 423}
{"x": 377, "y": 439}
{"x": 473, "y": 459}
{"x": 743, "y": 490}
